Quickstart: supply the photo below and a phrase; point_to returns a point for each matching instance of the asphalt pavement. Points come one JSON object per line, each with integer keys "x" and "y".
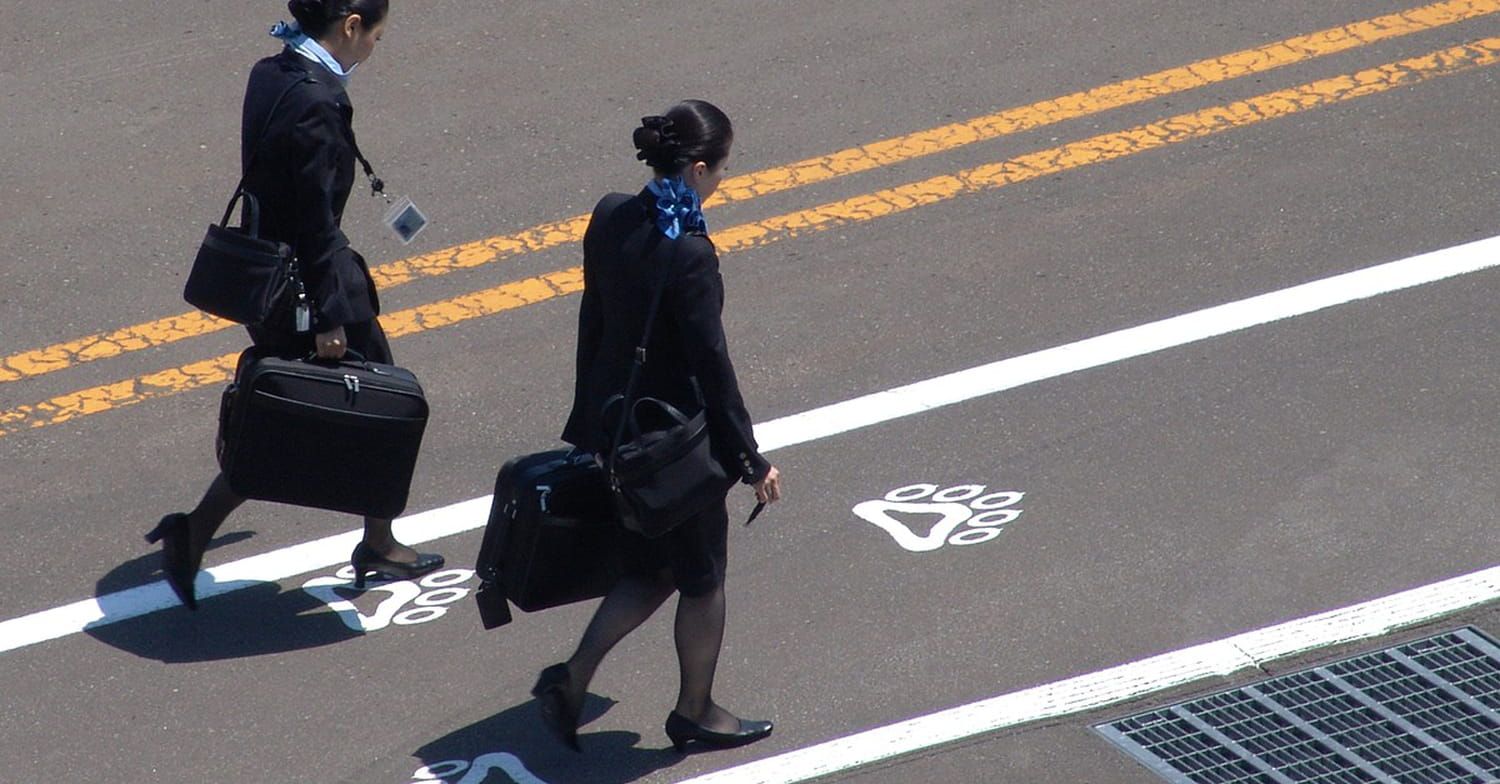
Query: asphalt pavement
{"x": 922, "y": 561}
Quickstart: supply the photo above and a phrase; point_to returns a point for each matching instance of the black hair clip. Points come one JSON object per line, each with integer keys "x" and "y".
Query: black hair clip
{"x": 657, "y": 122}
{"x": 663, "y": 128}
{"x": 665, "y": 142}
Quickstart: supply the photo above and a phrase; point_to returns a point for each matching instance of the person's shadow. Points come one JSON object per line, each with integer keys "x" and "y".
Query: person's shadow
{"x": 253, "y": 619}
{"x": 474, "y": 754}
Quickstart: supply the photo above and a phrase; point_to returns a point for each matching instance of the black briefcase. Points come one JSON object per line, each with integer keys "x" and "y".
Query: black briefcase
{"x": 331, "y": 435}
{"x": 551, "y": 537}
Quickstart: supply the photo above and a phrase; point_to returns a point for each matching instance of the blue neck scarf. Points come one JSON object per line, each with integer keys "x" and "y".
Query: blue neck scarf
{"x": 308, "y": 47}
{"x": 678, "y": 209}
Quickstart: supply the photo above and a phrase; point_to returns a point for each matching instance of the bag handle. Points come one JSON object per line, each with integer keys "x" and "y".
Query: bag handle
{"x": 312, "y": 356}
{"x": 631, "y": 416}
{"x": 250, "y": 217}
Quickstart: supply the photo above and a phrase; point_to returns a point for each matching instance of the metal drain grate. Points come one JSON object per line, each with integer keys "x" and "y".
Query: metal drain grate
{"x": 1420, "y": 713}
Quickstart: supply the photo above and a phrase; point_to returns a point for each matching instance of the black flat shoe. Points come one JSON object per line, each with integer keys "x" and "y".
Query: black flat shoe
{"x": 176, "y": 564}
{"x": 681, "y": 730}
{"x": 365, "y": 560}
{"x": 561, "y": 716}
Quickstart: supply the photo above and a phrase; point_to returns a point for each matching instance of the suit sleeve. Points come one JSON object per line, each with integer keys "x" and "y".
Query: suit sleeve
{"x": 329, "y": 266}
{"x": 590, "y": 330}
{"x": 696, "y": 302}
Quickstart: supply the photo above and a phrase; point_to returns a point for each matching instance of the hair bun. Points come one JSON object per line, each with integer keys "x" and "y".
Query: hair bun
{"x": 308, "y": 11}
{"x": 656, "y": 140}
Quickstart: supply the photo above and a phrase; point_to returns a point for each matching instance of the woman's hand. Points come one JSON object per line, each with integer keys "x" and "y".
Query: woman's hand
{"x": 331, "y": 344}
{"x": 768, "y": 489}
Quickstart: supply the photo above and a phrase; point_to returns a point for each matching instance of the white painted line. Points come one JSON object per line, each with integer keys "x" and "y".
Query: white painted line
{"x": 1119, "y": 684}
{"x": 263, "y": 568}
{"x": 811, "y": 425}
{"x": 1127, "y": 343}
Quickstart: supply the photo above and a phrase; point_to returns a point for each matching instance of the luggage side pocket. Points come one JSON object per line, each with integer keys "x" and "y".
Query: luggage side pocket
{"x": 329, "y": 414}
{"x": 226, "y": 409}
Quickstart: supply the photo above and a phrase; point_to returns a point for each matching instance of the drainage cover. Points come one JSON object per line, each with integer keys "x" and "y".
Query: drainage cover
{"x": 1419, "y": 713}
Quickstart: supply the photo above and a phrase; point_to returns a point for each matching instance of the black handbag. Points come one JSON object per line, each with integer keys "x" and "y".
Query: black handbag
{"x": 239, "y": 275}
{"x": 667, "y": 471}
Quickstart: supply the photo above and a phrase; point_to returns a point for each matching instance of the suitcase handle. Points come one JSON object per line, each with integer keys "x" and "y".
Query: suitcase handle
{"x": 312, "y": 356}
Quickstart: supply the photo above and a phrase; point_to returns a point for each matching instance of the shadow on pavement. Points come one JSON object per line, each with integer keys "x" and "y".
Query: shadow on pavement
{"x": 253, "y": 620}
{"x": 475, "y": 754}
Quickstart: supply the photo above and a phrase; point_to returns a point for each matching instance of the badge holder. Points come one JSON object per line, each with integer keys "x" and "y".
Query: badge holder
{"x": 403, "y": 218}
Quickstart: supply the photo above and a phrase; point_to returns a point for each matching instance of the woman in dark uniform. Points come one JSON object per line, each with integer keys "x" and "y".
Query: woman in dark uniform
{"x": 631, "y": 243}
{"x": 302, "y": 171}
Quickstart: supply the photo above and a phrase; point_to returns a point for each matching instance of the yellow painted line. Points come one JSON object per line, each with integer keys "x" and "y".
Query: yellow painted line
{"x": 1100, "y": 99}
{"x": 1095, "y": 150}
{"x": 213, "y": 372}
{"x": 842, "y": 163}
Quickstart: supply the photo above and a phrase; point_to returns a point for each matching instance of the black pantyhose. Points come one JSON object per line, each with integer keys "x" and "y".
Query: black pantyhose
{"x": 699, "y": 632}
{"x": 219, "y": 501}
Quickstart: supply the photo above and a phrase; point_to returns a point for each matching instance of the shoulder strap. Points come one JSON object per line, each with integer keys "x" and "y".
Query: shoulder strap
{"x": 628, "y": 399}
{"x": 265, "y": 124}
{"x": 661, "y": 285}
{"x": 260, "y": 137}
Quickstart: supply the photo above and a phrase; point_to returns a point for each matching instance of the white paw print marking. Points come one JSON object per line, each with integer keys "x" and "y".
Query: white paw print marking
{"x": 429, "y": 598}
{"x": 476, "y": 772}
{"x": 982, "y": 514}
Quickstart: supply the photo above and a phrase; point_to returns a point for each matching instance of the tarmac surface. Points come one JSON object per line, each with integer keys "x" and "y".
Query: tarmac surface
{"x": 1225, "y": 483}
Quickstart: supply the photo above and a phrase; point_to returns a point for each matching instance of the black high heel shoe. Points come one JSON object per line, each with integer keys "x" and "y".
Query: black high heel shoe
{"x": 681, "y": 729}
{"x": 365, "y": 560}
{"x": 172, "y": 532}
{"x": 561, "y": 715}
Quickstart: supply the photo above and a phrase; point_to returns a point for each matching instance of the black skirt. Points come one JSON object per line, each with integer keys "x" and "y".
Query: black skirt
{"x": 696, "y": 552}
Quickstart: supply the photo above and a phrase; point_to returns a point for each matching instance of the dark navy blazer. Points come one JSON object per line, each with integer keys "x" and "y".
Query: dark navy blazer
{"x": 624, "y": 255}
{"x": 302, "y": 176}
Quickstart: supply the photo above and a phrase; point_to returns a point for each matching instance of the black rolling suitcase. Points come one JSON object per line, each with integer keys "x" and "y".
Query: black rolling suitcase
{"x": 331, "y": 435}
{"x": 551, "y": 536}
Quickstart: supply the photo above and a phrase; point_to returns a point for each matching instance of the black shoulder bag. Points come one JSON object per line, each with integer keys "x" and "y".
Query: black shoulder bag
{"x": 663, "y": 476}
{"x": 239, "y": 275}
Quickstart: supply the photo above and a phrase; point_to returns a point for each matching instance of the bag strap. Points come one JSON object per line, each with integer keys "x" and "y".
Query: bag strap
{"x": 260, "y": 138}
{"x": 377, "y": 185}
{"x": 635, "y": 372}
{"x": 640, "y": 352}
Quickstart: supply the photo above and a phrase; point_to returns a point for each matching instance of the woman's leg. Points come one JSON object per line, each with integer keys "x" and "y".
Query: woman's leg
{"x": 700, "y": 558}
{"x": 699, "y": 633}
{"x": 625, "y": 607}
{"x": 560, "y": 689}
{"x": 370, "y": 341}
{"x": 381, "y": 554}
{"x": 219, "y": 501}
{"x": 184, "y": 537}
{"x": 203, "y": 522}
{"x": 380, "y": 540}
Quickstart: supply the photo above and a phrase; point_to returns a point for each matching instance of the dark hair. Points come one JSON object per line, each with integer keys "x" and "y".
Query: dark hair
{"x": 318, "y": 16}
{"x": 689, "y": 132}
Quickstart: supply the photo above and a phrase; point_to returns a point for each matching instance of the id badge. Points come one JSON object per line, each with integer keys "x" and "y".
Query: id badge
{"x": 405, "y": 220}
